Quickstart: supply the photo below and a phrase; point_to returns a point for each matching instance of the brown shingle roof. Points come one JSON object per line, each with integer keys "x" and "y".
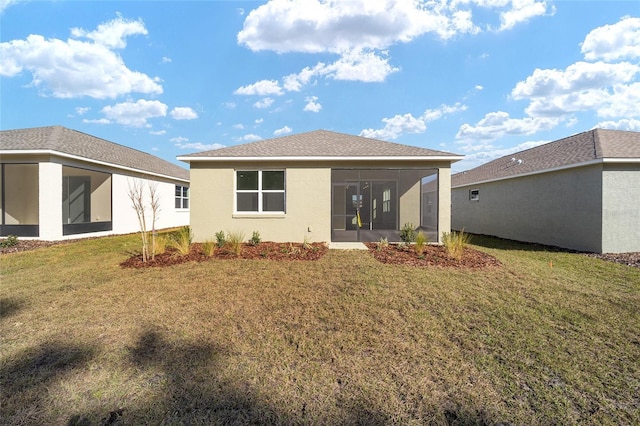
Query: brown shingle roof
{"x": 71, "y": 142}
{"x": 571, "y": 151}
{"x": 319, "y": 143}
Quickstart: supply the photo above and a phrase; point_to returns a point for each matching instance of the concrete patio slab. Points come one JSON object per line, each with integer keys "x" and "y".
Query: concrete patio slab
{"x": 347, "y": 246}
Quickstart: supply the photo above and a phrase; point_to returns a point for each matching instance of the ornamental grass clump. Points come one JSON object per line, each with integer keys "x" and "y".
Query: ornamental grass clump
{"x": 181, "y": 240}
{"x": 234, "y": 241}
{"x": 421, "y": 242}
{"x": 455, "y": 243}
{"x": 208, "y": 248}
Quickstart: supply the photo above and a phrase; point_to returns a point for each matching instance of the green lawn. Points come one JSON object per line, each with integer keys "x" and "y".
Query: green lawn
{"x": 549, "y": 338}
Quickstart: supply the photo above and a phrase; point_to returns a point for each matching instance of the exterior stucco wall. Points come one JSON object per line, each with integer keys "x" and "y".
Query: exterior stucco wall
{"x": 561, "y": 208}
{"x": 307, "y": 204}
{"x": 444, "y": 201}
{"x": 308, "y": 200}
{"x": 621, "y": 208}
{"x": 122, "y": 215}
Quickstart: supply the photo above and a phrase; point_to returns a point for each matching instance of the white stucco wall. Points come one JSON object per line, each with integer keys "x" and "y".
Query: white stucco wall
{"x": 561, "y": 208}
{"x": 125, "y": 219}
{"x": 621, "y": 208}
{"x": 123, "y": 216}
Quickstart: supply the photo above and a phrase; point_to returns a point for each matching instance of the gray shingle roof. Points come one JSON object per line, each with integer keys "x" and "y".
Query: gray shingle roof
{"x": 319, "y": 143}
{"x": 571, "y": 151}
{"x": 72, "y": 142}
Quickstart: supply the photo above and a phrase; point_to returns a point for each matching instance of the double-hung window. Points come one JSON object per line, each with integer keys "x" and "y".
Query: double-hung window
{"x": 182, "y": 197}
{"x": 260, "y": 191}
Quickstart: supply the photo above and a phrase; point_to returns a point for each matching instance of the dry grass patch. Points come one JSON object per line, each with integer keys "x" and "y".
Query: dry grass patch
{"x": 341, "y": 340}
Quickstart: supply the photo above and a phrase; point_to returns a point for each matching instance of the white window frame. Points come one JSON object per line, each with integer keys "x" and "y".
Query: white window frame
{"x": 474, "y": 195}
{"x": 182, "y": 198}
{"x": 260, "y": 192}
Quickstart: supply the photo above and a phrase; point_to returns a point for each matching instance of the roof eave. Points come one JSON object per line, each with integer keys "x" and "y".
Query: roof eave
{"x": 451, "y": 158}
{"x": 79, "y": 158}
{"x": 554, "y": 169}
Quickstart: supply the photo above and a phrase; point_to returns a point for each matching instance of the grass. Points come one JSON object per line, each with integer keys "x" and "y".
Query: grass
{"x": 550, "y": 338}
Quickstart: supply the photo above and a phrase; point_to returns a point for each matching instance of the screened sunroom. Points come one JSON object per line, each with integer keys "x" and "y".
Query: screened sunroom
{"x": 370, "y": 204}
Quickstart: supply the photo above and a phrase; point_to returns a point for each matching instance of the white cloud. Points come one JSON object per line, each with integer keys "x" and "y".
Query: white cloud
{"x": 624, "y": 124}
{"x": 395, "y": 126}
{"x": 581, "y": 76}
{"x": 183, "y": 113}
{"x": 263, "y": 103}
{"x": 613, "y": 42}
{"x": 312, "y": 105}
{"x": 523, "y": 11}
{"x": 75, "y": 68}
{"x": 259, "y": 120}
{"x": 166, "y": 60}
{"x": 407, "y": 123}
{"x": 198, "y": 146}
{"x": 489, "y": 153}
{"x": 238, "y": 126}
{"x": 358, "y": 65}
{"x": 82, "y": 110}
{"x": 158, "y": 132}
{"x": 230, "y": 105}
{"x": 495, "y": 125}
{"x": 112, "y": 34}
{"x": 97, "y": 121}
{"x": 435, "y": 114}
{"x": 261, "y": 88}
{"x": 4, "y": 4}
{"x": 179, "y": 140}
{"x": 295, "y": 82}
{"x": 249, "y": 138}
{"x": 135, "y": 114}
{"x": 283, "y": 131}
{"x": 315, "y": 26}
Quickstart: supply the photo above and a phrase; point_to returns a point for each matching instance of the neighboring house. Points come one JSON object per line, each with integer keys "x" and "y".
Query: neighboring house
{"x": 318, "y": 186}
{"x": 580, "y": 192}
{"x": 59, "y": 183}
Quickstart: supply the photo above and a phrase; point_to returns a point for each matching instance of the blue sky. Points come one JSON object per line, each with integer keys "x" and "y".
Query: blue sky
{"x": 482, "y": 78}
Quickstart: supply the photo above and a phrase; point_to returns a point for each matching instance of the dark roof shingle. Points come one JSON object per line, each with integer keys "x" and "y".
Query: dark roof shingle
{"x": 319, "y": 143}
{"x": 573, "y": 150}
{"x": 72, "y": 142}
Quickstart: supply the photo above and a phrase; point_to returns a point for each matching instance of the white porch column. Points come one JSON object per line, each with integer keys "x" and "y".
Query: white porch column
{"x": 444, "y": 201}
{"x": 50, "y": 198}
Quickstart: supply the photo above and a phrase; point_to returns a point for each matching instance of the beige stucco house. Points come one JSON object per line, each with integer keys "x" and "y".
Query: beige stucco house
{"x": 57, "y": 183}
{"x": 581, "y": 192}
{"x": 320, "y": 186}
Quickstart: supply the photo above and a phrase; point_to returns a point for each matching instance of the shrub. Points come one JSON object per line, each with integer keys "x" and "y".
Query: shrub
{"x": 421, "y": 241}
{"x": 221, "y": 238}
{"x": 234, "y": 240}
{"x": 306, "y": 243}
{"x": 383, "y": 243}
{"x": 455, "y": 242}
{"x": 408, "y": 233}
{"x": 181, "y": 240}
{"x": 10, "y": 241}
{"x": 255, "y": 238}
{"x": 208, "y": 248}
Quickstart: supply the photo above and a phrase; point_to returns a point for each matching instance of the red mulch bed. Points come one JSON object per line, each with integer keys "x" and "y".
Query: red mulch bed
{"x": 264, "y": 250}
{"x": 401, "y": 254}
